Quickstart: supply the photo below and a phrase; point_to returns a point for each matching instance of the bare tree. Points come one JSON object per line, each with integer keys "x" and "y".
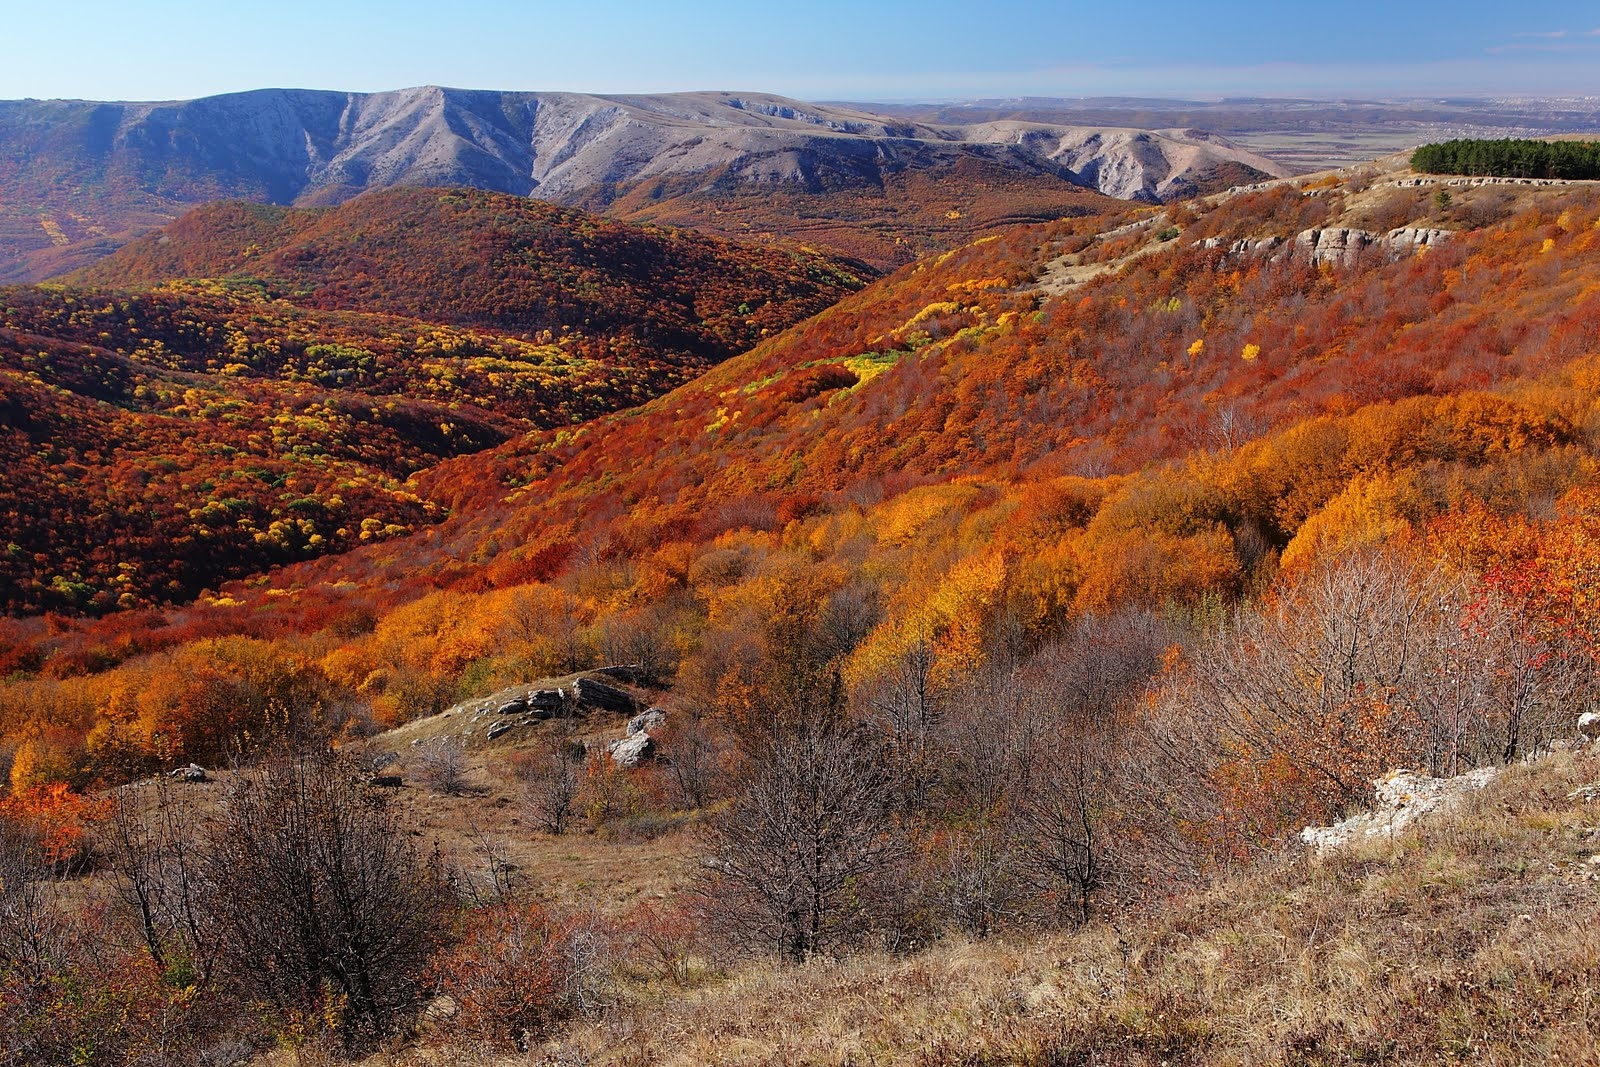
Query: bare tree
{"x": 968, "y": 876}
{"x": 551, "y": 777}
{"x": 149, "y": 844}
{"x": 910, "y": 704}
{"x": 1328, "y": 673}
{"x": 693, "y": 757}
{"x": 646, "y": 638}
{"x": 1502, "y": 689}
{"x": 33, "y": 928}
{"x": 795, "y": 860}
{"x": 320, "y": 897}
{"x": 1060, "y": 778}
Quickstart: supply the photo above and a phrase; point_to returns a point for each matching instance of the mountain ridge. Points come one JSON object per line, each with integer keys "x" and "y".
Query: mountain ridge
{"x": 82, "y": 175}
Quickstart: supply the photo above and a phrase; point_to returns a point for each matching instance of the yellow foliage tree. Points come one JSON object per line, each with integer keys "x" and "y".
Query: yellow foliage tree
{"x": 1372, "y": 509}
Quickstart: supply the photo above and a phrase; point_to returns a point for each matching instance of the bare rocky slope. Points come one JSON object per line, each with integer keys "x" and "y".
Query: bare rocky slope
{"x": 78, "y": 178}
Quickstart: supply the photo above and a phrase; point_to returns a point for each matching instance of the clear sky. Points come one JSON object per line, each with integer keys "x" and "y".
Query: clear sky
{"x": 815, "y": 49}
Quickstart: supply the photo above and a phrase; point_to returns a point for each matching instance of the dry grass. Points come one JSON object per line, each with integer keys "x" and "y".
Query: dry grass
{"x": 609, "y": 872}
{"x": 1473, "y": 939}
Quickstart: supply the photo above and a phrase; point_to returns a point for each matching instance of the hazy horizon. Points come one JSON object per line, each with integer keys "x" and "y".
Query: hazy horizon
{"x": 937, "y": 51}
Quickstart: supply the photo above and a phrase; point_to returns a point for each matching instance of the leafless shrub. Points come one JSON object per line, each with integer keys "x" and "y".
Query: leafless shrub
{"x": 521, "y": 968}
{"x": 1371, "y": 661}
{"x": 1485, "y": 207}
{"x": 551, "y": 777}
{"x": 1394, "y": 209}
{"x": 1076, "y": 819}
{"x": 796, "y": 861}
{"x": 152, "y": 860}
{"x": 32, "y": 926}
{"x": 442, "y": 764}
{"x": 322, "y": 903}
{"x": 694, "y": 751}
{"x": 909, "y": 703}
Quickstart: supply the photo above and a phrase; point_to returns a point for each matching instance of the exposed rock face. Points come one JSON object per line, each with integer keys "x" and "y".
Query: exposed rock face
{"x": 522, "y": 706}
{"x": 1402, "y": 797}
{"x": 1411, "y": 238}
{"x": 1338, "y": 244}
{"x": 647, "y": 720}
{"x": 1341, "y": 245}
{"x": 1243, "y": 247}
{"x": 632, "y": 750}
{"x": 294, "y": 144}
{"x": 595, "y": 694}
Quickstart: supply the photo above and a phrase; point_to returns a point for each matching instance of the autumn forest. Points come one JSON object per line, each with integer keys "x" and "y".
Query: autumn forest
{"x": 1021, "y": 592}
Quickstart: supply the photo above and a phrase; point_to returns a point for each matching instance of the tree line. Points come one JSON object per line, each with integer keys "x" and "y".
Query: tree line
{"x": 1510, "y": 157}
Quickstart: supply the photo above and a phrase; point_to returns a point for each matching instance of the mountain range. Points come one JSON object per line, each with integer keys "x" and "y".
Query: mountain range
{"x": 79, "y": 178}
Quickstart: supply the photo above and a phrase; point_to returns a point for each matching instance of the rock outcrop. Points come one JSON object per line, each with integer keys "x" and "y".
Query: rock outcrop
{"x": 650, "y": 719}
{"x": 1402, "y": 797}
{"x": 632, "y": 750}
{"x": 592, "y": 694}
{"x": 1341, "y": 245}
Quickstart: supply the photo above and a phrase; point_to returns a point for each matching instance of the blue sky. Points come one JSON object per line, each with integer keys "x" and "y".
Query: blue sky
{"x": 821, "y": 49}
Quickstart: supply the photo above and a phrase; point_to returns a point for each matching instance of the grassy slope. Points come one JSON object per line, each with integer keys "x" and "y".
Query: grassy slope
{"x": 1473, "y": 938}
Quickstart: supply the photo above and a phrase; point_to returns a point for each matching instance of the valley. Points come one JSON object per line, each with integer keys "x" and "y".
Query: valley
{"x": 254, "y": 385}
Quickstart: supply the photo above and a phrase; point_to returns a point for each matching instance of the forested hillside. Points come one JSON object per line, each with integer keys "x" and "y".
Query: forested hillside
{"x": 253, "y": 386}
{"x": 975, "y": 458}
{"x": 1035, "y": 587}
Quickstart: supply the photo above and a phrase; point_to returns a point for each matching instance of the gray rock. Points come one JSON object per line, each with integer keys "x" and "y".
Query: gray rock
{"x": 1337, "y": 244}
{"x": 632, "y": 750}
{"x": 647, "y": 720}
{"x": 547, "y": 699}
{"x": 192, "y": 773}
{"x": 1401, "y": 797}
{"x": 501, "y": 728}
{"x": 596, "y": 694}
{"x": 514, "y": 706}
{"x": 1589, "y": 725}
{"x": 1411, "y": 238}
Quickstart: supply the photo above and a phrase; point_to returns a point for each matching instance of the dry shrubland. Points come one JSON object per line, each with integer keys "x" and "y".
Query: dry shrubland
{"x": 1475, "y": 937}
